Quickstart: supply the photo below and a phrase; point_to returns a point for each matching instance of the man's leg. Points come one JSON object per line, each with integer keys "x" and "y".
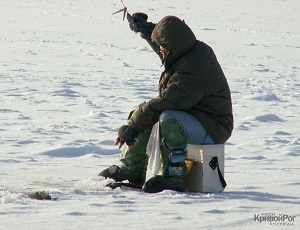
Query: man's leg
{"x": 134, "y": 162}
{"x": 194, "y": 130}
{"x": 135, "y": 158}
{"x": 177, "y": 129}
{"x": 172, "y": 137}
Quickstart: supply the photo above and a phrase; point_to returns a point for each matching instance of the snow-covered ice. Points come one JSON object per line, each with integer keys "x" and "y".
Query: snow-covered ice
{"x": 70, "y": 72}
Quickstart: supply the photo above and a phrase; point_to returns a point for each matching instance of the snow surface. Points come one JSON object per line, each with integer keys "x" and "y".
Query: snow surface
{"x": 70, "y": 72}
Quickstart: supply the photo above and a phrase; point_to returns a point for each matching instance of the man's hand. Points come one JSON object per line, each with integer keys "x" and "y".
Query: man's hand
{"x": 141, "y": 25}
{"x": 127, "y": 135}
{"x": 139, "y": 21}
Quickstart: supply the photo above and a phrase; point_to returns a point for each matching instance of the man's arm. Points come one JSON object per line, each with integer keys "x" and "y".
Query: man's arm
{"x": 145, "y": 29}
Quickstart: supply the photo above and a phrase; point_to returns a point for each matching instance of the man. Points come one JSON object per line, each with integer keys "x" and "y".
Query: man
{"x": 193, "y": 106}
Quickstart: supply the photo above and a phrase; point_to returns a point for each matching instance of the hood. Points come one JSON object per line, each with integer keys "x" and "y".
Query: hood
{"x": 175, "y": 36}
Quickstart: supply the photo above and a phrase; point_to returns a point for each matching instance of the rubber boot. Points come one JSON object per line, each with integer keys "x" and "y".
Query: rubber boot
{"x": 134, "y": 162}
{"x": 172, "y": 137}
{"x": 123, "y": 173}
{"x": 159, "y": 183}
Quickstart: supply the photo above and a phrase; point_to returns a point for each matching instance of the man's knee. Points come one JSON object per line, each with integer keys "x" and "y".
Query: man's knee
{"x": 167, "y": 115}
{"x": 172, "y": 135}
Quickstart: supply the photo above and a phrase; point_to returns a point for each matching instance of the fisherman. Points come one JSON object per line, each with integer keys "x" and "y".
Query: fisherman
{"x": 193, "y": 106}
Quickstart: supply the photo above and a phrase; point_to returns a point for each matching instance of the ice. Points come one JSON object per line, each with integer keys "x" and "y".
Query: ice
{"x": 70, "y": 74}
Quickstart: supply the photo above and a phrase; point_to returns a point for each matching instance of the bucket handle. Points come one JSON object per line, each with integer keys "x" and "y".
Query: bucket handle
{"x": 214, "y": 163}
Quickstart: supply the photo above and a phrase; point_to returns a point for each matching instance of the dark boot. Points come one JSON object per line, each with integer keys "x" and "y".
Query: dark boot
{"x": 123, "y": 173}
{"x": 160, "y": 183}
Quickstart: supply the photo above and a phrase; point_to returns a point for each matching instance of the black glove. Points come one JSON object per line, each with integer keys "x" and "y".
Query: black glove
{"x": 127, "y": 135}
{"x": 141, "y": 25}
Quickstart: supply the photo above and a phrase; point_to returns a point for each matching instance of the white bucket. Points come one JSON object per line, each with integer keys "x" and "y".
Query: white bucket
{"x": 205, "y": 176}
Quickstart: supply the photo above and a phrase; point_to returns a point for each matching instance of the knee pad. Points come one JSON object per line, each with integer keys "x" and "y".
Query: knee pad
{"x": 172, "y": 135}
{"x": 173, "y": 145}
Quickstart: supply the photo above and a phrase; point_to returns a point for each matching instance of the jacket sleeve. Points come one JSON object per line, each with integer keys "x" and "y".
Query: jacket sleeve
{"x": 155, "y": 47}
{"x": 181, "y": 93}
{"x": 147, "y": 37}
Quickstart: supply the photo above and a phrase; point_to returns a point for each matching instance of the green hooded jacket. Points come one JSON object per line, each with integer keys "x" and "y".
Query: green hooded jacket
{"x": 192, "y": 81}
